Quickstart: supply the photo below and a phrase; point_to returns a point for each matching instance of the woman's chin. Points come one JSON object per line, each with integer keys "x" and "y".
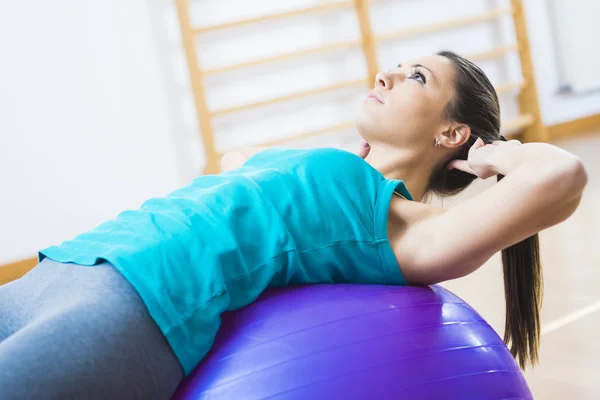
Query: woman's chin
{"x": 366, "y": 124}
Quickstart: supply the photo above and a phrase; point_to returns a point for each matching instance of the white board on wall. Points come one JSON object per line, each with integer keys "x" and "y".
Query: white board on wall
{"x": 576, "y": 34}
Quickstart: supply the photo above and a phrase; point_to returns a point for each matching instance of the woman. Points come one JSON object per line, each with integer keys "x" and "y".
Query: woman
{"x": 134, "y": 324}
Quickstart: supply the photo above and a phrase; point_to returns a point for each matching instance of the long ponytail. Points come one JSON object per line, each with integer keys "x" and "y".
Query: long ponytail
{"x": 523, "y": 292}
{"x": 522, "y": 271}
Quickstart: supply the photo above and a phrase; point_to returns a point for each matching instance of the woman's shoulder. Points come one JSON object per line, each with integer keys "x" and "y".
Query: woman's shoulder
{"x": 301, "y": 152}
{"x": 323, "y": 159}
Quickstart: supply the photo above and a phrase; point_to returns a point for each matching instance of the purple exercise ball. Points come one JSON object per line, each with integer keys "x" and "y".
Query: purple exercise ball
{"x": 356, "y": 342}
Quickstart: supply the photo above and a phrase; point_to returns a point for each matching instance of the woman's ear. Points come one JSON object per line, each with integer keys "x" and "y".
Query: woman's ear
{"x": 457, "y": 135}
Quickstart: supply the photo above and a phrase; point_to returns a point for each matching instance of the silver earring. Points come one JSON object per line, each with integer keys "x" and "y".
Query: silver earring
{"x": 438, "y": 142}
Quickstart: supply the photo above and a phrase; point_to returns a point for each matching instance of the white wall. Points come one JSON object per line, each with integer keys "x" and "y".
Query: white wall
{"x": 556, "y": 107}
{"x": 576, "y": 41}
{"x": 84, "y": 131}
{"x": 96, "y": 113}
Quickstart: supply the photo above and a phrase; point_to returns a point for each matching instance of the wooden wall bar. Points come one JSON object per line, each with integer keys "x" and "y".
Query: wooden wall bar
{"x": 529, "y": 123}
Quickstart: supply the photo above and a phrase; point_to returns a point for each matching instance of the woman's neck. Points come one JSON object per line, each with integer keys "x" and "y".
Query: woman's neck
{"x": 394, "y": 163}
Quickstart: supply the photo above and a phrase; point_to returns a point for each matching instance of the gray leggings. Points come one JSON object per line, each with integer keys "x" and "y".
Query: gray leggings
{"x": 74, "y": 332}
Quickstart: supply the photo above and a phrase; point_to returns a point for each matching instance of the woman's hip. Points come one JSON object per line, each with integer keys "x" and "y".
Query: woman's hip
{"x": 97, "y": 324}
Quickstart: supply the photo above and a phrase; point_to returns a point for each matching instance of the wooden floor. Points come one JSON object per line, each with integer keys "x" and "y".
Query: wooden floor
{"x": 570, "y": 345}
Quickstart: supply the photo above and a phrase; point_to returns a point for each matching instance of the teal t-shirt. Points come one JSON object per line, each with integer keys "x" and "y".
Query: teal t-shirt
{"x": 287, "y": 216}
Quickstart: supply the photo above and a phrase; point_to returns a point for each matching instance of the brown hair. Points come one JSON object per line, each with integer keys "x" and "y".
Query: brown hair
{"x": 475, "y": 103}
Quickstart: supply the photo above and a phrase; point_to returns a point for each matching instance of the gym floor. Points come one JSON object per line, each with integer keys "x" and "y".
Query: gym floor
{"x": 570, "y": 350}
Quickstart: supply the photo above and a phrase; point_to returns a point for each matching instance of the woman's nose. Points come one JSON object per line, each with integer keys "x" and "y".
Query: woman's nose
{"x": 383, "y": 81}
{"x": 387, "y": 80}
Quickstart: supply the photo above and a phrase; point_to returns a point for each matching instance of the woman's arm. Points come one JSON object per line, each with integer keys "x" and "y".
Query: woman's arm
{"x": 236, "y": 159}
{"x": 542, "y": 187}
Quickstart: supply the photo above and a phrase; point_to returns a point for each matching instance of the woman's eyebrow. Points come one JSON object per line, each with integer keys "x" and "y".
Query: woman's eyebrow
{"x": 421, "y": 66}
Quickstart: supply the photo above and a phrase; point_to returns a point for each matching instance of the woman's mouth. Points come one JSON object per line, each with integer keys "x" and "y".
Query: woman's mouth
{"x": 374, "y": 95}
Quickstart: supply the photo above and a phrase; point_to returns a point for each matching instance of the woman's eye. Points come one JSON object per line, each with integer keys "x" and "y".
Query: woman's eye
{"x": 419, "y": 77}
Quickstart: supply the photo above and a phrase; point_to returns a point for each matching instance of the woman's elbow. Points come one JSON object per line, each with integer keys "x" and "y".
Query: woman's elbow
{"x": 580, "y": 174}
{"x": 575, "y": 176}
{"x": 563, "y": 179}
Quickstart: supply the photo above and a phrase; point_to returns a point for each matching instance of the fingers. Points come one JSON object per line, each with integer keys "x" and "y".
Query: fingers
{"x": 478, "y": 143}
{"x": 364, "y": 149}
{"x": 462, "y": 165}
{"x": 512, "y": 142}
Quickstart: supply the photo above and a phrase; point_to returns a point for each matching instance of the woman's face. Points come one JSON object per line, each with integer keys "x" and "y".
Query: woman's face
{"x": 407, "y": 106}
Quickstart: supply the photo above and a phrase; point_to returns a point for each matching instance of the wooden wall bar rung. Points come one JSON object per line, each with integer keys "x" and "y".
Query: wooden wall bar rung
{"x": 500, "y": 90}
{"x": 509, "y": 87}
{"x": 285, "y": 14}
{"x": 293, "y": 96}
{"x": 444, "y": 25}
{"x": 497, "y": 52}
{"x": 337, "y": 46}
{"x": 517, "y": 124}
{"x": 316, "y": 132}
{"x": 509, "y": 127}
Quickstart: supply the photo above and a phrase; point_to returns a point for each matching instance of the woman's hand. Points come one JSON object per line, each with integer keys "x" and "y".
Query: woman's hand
{"x": 481, "y": 159}
{"x": 364, "y": 149}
